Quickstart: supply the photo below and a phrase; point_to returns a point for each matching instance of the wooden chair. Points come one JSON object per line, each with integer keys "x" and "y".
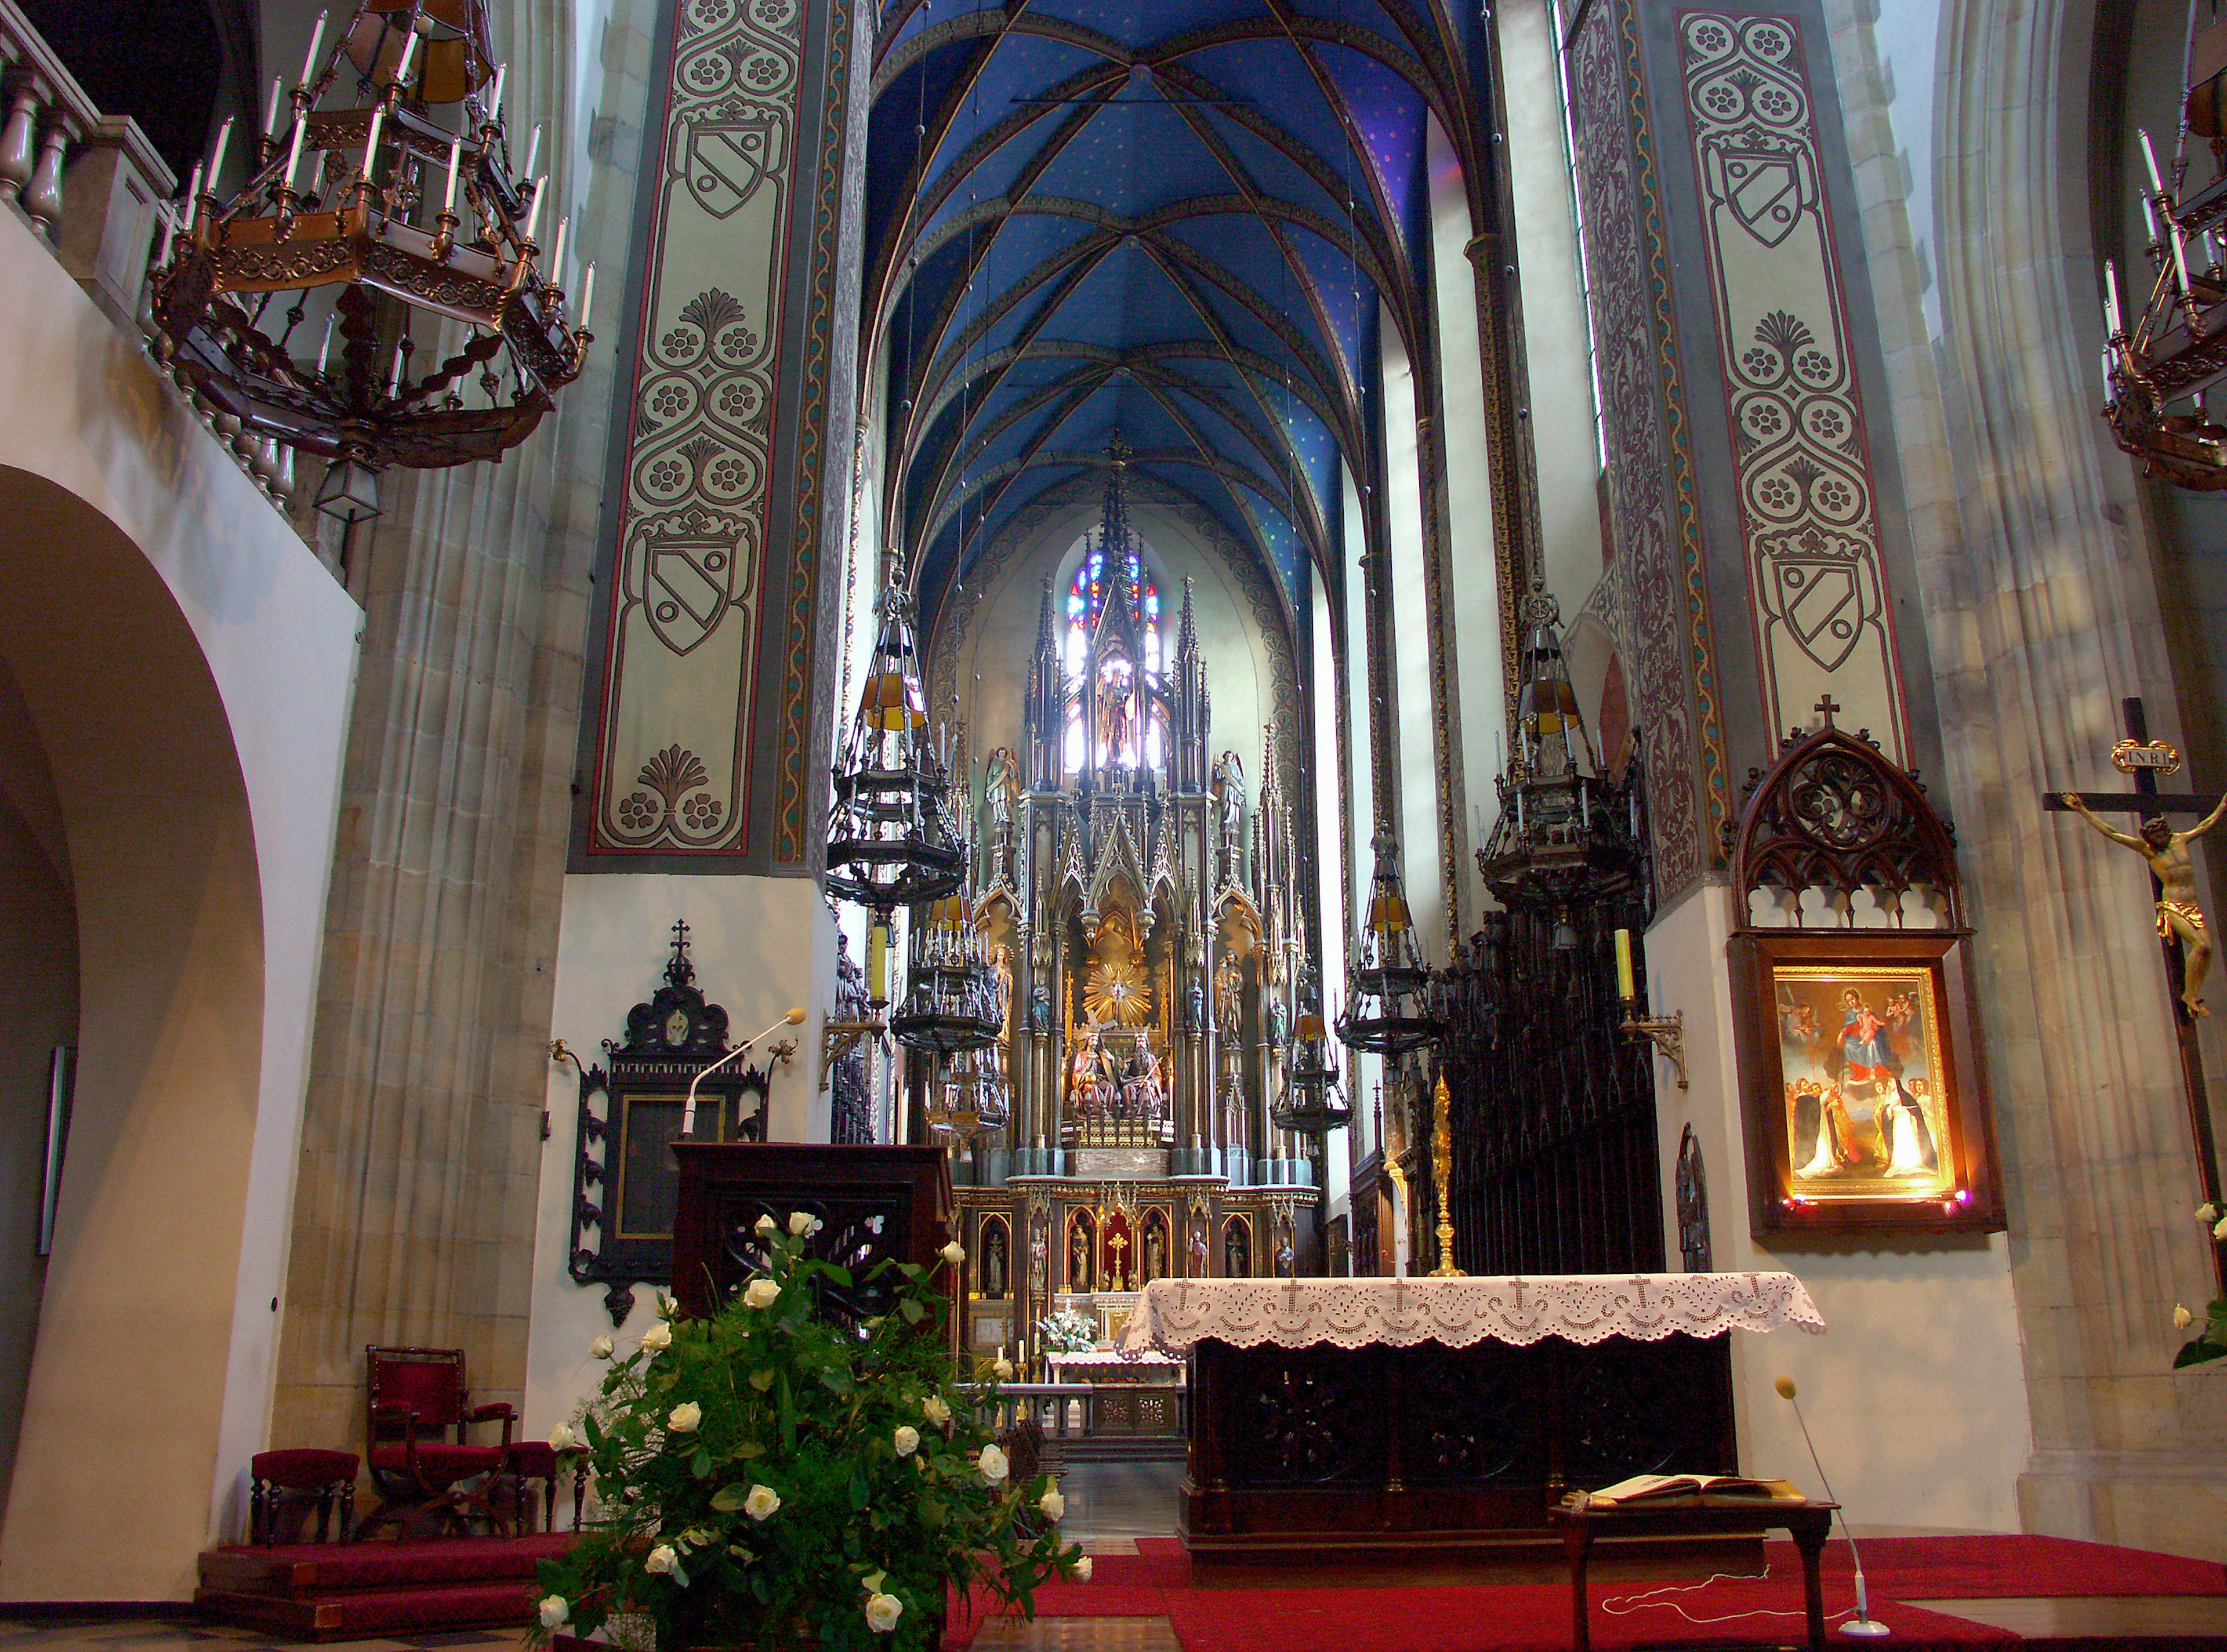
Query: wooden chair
{"x": 413, "y": 1399}
{"x": 305, "y": 1473}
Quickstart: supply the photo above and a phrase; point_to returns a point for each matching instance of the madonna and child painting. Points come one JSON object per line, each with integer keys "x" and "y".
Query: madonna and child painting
{"x": 1860, "y": 1053}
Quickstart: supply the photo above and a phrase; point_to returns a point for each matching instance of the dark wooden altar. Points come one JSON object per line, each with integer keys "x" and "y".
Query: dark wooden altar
{"x": 1324, "y": 1452}
{"x": 873, "y": 1203}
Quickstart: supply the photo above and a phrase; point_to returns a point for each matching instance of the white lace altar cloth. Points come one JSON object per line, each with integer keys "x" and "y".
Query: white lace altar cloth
{"x": 1457, "y": 1312}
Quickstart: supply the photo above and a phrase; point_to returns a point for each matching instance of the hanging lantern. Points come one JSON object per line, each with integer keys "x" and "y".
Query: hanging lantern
{"x": 1388, "y": 1013}
{"x": 969, "y": 1097}
{"x": 1313, "y": 1104}
{"x": 951, "y": 998}
{"x": 376, "y": 292}
{"x": 1566, "y": 835}
{"x": 890, "y": 839}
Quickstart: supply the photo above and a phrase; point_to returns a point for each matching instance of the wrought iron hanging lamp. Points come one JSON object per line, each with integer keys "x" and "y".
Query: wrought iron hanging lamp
{"x": 890, "y": 838}
{"x": 969, "y": 1097}
{"x": 1388, "y": 1012}
{"x": 1313, "y": 1103}
{"x": 376, "y": 292}
{"x": 951, "y": 994}
{"x": 1567, "y": 833}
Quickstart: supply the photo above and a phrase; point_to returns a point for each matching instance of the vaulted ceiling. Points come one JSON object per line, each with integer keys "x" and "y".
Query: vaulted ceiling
{"x": 1171, "y": 218}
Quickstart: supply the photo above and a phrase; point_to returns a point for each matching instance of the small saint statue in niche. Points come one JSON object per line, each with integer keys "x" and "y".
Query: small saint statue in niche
{"x": 1003, "y": 781}
{"x": 1236, "y": 1253}
{"x": 1078, "y": 1261}
{"x": 1156, "y": 1259}
{"x": 1036, "y": 1258}
{"x": 2178, "y": 914}
{"x": 1286, "y": 1258}
{"x": 1198, "y": 1248}
{"x": 1040, "y": 1008}
{"x": 994, "y": 1263}
{"x": 1195, "y": 1008}
{"x": 1228, "y": 983}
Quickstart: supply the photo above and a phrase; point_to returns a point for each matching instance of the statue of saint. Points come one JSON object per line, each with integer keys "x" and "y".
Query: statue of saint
{"x": 1078, "y": 1261}
{"x": 1082, "y": 1081}
{"x": 1005, "y": 975}
{"x": 1002, "y": 781}
{"x": 1117, "y": 722}
{"x": 993, "y": 1264}
{"x": 1141, "y": 1094}
{"x": 1229, "y": 783}
{"x": 1195, "y": 1008}
{"x": 1040, "y": 1008}
{"x": 2178, "y": 914}
{"x": 1198, "y": 1250}
{"x": 1276, "y": 1024}
{"x": 1229, "y": 983}
{"x": 1036, "y": 1259}
{"x": 1155, "y": 1256}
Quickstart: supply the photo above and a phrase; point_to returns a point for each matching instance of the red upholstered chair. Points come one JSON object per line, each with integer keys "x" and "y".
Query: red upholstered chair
{"x": 533, "y": 1460}
{"x": 415, "y": 1399}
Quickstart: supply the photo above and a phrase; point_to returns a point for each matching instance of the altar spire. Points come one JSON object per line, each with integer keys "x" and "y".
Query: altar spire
{"x": 1043, "y": 702}
{"x": 1189, "y": 709}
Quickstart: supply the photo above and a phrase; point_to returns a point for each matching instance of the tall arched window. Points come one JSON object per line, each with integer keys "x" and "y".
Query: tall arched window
{"x": 1085, "y": 599}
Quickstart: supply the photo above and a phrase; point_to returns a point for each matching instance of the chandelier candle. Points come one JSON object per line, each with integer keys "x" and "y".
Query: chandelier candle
{"x": 371, "y": 141}
{"x": 494, "y": 102}
{"x": 270, "y": 115}
{"x": 533, "y": 150}
{"x": 448, "y": 198}
{"x": 534, "y": 213}
{"x": 216, "y": 158}
{"x": 556, "y": 275}
{"x": 587, "y": 295}
{"x": 1623, "y": 981}
{"x": 316, "y": 39}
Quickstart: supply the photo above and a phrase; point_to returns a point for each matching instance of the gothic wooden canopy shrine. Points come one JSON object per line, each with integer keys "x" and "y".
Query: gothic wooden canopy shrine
{"x": 1864, "y": 1094}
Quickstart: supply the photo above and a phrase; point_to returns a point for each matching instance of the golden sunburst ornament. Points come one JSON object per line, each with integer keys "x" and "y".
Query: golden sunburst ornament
{"x": 1115, "y": 993}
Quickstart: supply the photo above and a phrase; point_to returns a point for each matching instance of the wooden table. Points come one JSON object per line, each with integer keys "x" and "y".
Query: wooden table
{"x": 1579, "y": 1522}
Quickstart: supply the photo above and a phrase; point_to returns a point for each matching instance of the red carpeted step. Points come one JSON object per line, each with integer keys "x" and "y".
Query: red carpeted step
{"x": 300, "y": 1569}
{"x": 360, "y": 1614}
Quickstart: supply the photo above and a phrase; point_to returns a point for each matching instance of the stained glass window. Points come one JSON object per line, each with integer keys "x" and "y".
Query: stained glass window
{"x": 1086, "y": 600}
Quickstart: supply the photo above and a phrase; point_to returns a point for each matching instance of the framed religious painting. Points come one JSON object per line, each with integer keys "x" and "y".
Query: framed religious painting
{"x": 1863, "y": 1089}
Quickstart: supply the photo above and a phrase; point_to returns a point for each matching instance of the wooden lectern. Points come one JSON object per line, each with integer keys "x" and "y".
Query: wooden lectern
{"x": 873, "y": 1205}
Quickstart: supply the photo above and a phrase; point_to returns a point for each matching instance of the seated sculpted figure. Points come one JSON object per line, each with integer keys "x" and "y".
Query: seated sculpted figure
{"x": 1142, "y": 1096}
{"x": 1086, "y": 1087}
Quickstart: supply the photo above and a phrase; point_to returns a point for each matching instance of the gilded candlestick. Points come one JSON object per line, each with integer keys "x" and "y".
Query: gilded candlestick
{"x": 1442, "y": 1164}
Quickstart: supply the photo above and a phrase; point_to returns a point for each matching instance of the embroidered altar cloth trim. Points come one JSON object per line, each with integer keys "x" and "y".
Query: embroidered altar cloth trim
{"x": 1457, "y": 1312}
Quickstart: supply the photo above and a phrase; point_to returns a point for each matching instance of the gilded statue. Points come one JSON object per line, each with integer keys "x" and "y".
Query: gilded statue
{"x": 2178, "y": 914}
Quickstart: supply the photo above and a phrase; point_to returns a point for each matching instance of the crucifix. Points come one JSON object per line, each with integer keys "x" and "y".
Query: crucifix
{"x": 2173, "y": 887}
{"x": 1118, "y": 1245}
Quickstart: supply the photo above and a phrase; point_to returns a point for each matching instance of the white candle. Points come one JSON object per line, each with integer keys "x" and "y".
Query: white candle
{"x": 556, "y": 275}
{"x": 395, "y": 383}
{"x": 456, "y": 155}
{"x": 2179, "y": 258}
{"x": 193, "y": 190}
{"x": 270, "y": 115}
{"x": 2149, "y": 160}
{"x": 532, "y": 150}
{"x": 216, "y": 157}
{"x": 587, "y": 296}
{"x": 409, "y": 51}
{"x": 170, "y": 229}
{"x": 2149, "y": 211}
{"x": 326, "y": 349}
{"x": 494, "y": 102}
{"x": 2111, "y": 299}
{"x": 371, "y": 142}
{"x": 534, "y": 213}
{"x": 294, "y": 154}
{"x": 316, "y": 39}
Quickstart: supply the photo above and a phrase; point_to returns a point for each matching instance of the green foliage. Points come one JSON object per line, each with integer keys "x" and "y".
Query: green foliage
{"x": 792, "y": 1405}
{"x": 2208, "y": 1343}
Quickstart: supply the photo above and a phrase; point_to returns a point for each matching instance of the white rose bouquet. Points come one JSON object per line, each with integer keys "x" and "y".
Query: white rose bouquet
{"x": 1069, "y": 1331}
{"x": 2210, "y": 1342}
{"x": 769, "y": 1474}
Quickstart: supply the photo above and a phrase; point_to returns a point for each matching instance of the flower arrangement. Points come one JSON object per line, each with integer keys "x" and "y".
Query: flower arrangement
{"x": 771, "y": 1477}
{"x": 1069, "y": 1331}
{"x": 2210, "y": 1342}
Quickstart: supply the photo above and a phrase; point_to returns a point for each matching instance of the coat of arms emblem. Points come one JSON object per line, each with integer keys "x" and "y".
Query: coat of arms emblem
{"x": 1824, "y": 588}
{"x": 1767, "y": 186}
{"x": 728, "y": 153}
{"x": 689, "y": 577}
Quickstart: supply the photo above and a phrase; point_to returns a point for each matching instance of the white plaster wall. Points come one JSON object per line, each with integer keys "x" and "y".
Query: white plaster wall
{"x": 1560, "y": 420}
{"x": 1915, "y": 1393}
{"x": 760, "y": 945}
{"x": 1473, "y": 584}
{"x": 1415, "y": 724}
{"x": 81, "y": 406}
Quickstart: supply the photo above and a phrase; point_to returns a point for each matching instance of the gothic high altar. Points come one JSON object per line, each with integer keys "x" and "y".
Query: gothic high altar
{"x": 1152, "y": 953}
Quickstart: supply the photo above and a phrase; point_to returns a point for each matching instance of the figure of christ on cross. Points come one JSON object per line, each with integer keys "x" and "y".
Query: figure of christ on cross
{"x": 2178, "y": 914}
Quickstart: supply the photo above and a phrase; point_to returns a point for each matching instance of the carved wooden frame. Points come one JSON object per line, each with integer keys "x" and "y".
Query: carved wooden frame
{"x": 1835, "y": 814}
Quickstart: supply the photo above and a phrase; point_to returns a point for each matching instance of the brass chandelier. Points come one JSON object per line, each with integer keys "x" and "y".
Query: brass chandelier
{"x": 376, "y": 291}
{"x": 2160, "y": 361}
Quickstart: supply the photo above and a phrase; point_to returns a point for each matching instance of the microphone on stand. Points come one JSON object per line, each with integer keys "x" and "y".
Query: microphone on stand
{"x": 794, "y": 1018}
{"x": 1862, "y": 1624}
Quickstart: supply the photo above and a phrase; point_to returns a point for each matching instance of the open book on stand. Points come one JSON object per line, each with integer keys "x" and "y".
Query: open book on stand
{"x": 1653, "y": 1488}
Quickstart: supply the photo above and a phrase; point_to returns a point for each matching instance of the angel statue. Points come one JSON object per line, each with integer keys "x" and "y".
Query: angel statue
{"x": 2178, "y": 914}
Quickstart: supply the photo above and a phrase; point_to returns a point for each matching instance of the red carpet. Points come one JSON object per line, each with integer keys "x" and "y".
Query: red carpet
{"x": 1536, "y": 1618}
{"x": 331, "y": 1592}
